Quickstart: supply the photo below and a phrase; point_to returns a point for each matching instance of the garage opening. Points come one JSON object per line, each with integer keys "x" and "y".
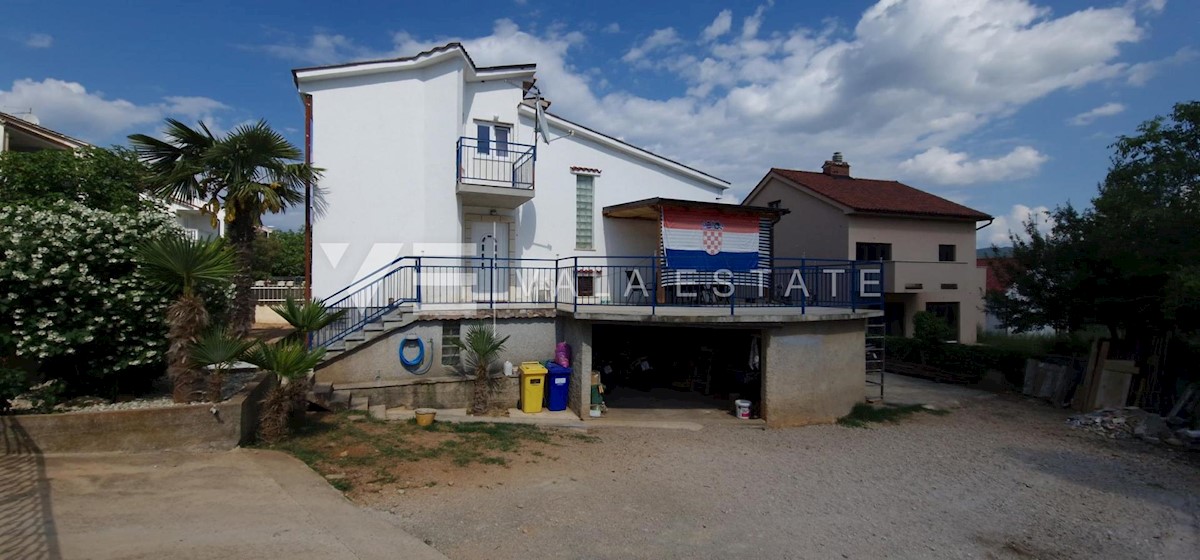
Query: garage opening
{"x": 677, "y": 373}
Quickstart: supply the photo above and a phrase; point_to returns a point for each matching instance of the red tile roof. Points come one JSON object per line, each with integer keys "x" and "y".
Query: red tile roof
{"x": 876, "y": 196}
{"x": 587, "y": 170}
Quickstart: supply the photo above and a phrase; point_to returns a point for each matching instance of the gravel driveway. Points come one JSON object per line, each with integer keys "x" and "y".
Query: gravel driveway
{"x": 1000, "y": 478}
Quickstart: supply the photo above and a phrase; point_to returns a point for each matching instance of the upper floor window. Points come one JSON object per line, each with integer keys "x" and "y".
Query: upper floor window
{"x": 775, "y": 204}
{"x": 493, "y": 138}
{"x": 946, "y": 253}
{"x": 585, "y": 195}
{"x": 873, "y": 251}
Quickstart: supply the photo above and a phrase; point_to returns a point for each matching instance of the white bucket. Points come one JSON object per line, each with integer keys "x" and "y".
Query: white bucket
{"x": 742, "y": 409}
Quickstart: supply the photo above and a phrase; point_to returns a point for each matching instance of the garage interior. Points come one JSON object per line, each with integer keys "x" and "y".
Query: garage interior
{"x": 677, "y": 373}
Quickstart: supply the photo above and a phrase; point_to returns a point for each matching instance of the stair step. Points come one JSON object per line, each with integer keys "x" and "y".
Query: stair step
{"x": 340, "y": 400}
{"x": 323, "y": 389}
{"x": 372, "y": 327}
{"x": 378, "y": 411}
{"x": 360, "y": 403}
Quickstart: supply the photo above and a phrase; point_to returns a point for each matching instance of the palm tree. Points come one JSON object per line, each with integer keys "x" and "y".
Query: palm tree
{"x": 247, "y": 173}
{"x": 218, "y": 349}
{"x": 481, "y": 348}
{"x": 306, "y": 317}
{"x": 290, "y": 361}
{"x": 181, "y": 266}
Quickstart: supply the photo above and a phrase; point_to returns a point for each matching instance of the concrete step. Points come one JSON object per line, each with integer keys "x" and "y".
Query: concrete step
{"x": 360, "y": 403}
{"x": 378, "y": 411}
{"x": 340, "y": 400}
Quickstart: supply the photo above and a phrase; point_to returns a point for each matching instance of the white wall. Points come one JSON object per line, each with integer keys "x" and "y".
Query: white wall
{"x": 387, "y": 145}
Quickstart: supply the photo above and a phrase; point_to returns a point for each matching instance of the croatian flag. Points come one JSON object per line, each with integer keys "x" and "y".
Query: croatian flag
{"x": 710, "y": 239}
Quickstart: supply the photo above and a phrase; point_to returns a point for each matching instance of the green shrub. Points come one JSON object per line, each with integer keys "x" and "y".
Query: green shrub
{"x": 78, "y": 307}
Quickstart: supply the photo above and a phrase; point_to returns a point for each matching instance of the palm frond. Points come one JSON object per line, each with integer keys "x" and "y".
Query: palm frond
{"x": 287, "y": 359}
{"x": 306, "y": 317}
{"x": 481, "y": 347}
{"x": 219, "y": 347}
{"x": 180, "y": 264}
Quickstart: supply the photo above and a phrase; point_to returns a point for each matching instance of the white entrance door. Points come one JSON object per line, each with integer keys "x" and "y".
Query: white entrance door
{"x": 491, "y": 250}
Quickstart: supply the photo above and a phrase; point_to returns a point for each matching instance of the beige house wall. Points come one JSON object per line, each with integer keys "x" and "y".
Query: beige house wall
{"x": 813, "y": 229}
{"x": 818, "y": 229}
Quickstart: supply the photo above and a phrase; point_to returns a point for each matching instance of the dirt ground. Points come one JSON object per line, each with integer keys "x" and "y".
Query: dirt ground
{"x": 1002, "y": 477}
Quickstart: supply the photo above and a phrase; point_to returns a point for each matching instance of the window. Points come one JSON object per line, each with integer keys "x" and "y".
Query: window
{"x": 584, "y": 211}
{"x": 775, "y": 204}
{"x": 873, "y": 251}
{"x": 946, "y": 253}
{"x": 487, "y": 132}
{"x": 585, "y": 284}
{"x": 451, "y": 332}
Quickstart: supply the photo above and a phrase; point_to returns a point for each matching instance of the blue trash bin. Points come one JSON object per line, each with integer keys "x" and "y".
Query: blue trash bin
{"x": 558, "y": 379}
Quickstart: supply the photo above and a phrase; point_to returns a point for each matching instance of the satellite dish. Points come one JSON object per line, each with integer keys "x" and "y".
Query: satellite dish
{"x": 539, "y": 124}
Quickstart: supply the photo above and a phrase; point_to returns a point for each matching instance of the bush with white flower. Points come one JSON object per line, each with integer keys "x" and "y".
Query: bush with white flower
{"x": 73, "y": 301}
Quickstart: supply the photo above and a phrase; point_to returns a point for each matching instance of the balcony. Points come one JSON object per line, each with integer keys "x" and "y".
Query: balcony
{"x": 911, "y": 277}
{"x": 495, "y": 174}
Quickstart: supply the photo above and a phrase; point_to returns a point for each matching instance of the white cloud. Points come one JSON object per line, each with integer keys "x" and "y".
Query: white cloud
{"x": 661, "y": 38}
{"x": 1087, "y": 117}
{"x": 613, "y": 27}
{"x": 943, "y": 167}
{"x": 70, "y": 108}
{"x": 1141, "y": 73}
{"x": 322, "y": 48}
{"x": 719, "y": 26}
{"x": 907, "y": 81}
{"x": 39, "y": 41}
{"x": 1014, "y": 222}
{"x": 1155, "y": 6}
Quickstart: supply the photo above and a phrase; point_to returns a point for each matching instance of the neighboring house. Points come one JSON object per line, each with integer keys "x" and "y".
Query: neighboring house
{"x": 926, "y": 242}
{"x": 452, "y": 195}
{"x": 24, "y": 134}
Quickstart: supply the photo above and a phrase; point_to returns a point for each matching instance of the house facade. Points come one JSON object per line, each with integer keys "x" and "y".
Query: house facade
{"x": 926, "y": 243}
{"x": 453, "y": 194}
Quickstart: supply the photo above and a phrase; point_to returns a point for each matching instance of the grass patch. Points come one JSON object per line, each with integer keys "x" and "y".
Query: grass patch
{"x": 863, "y": 415}
{"x": 370, "y": 454}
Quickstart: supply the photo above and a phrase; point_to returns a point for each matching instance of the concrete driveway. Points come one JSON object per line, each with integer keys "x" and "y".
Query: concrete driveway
{"x": 236, "y": 504}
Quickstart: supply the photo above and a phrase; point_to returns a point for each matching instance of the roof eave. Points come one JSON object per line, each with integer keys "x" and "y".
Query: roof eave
{"x": 419, "y": 60}
{"x": 627, "y": 148}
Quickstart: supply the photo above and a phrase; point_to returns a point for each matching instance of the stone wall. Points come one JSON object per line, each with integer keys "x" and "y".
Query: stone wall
{"x": 579, "y": 335}
{"x": 190, "y": 427}
{"x": 813, "y": 372}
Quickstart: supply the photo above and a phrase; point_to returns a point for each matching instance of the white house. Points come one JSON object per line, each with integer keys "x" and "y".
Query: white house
{"x": 453, "y": 193}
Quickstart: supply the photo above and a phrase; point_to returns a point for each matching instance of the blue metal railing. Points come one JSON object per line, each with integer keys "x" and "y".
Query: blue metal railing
{"x": 582, "y": 281}
{"x": 495, "y": 163}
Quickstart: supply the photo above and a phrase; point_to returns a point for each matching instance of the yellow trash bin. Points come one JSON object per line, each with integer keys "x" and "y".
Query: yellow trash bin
{"x": 533, "y": 386}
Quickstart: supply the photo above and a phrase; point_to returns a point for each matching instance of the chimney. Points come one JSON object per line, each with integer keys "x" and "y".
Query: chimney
{"x": 836, "y": 167}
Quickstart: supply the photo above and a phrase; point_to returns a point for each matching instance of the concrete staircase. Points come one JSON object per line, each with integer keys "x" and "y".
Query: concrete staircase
{"x": 333, "y": 398}
{"x": 397, "y": 318}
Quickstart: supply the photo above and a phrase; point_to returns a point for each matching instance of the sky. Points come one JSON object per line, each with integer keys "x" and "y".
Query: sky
{"x": 1007, "y": 106}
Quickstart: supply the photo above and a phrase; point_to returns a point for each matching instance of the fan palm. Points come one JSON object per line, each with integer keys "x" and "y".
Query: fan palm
{"x": 480, "y": 350}
{"x": 218, "y": 350}
{"x": 180, "y": 265}
{"x": 306, "y": 317}
{"x": 247, "y": 173}
{"x": 290, "y": 361}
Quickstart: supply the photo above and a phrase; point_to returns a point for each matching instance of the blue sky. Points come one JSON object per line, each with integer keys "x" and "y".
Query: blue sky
{"x": 1005, "y": 105}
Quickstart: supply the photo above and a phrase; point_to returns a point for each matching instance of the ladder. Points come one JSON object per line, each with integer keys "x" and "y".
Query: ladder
{"x": 875, "y": 354}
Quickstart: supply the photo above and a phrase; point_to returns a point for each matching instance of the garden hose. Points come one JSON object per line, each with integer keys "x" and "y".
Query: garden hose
{"x": 415, "y": 365}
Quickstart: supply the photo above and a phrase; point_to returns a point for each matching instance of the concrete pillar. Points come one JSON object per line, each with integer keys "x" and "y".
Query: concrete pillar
{"x": 814, "y": 372}
{"x": 579, "y": 335}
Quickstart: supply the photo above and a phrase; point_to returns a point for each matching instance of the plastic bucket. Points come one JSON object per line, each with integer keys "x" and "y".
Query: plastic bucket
{"x": 741, "y": 409}
{"x": 424, "y": 416}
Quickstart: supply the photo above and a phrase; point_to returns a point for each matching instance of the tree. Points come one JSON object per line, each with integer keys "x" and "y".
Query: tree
{"x": 481, "y": 348}
{"x": 1129, "y": 262}
{"x": 73, "y": 303}
{"x": 279, "y": 254}
{"x": 251, "y": 171}
{"x": 306, "y": 318}
{"x": 102, "y": 179}
{"x": 218, "y": 349}
{"x": 180, "y": 266}
{"x": 290, "y": 361}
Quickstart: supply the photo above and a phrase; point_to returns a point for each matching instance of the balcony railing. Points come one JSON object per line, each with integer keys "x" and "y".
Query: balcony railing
{"x": 494, "y": 163}
{"x": 582, "y": 283}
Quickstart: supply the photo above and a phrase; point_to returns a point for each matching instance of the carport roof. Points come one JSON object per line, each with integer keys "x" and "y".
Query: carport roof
{"x": 651, "y": 208}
